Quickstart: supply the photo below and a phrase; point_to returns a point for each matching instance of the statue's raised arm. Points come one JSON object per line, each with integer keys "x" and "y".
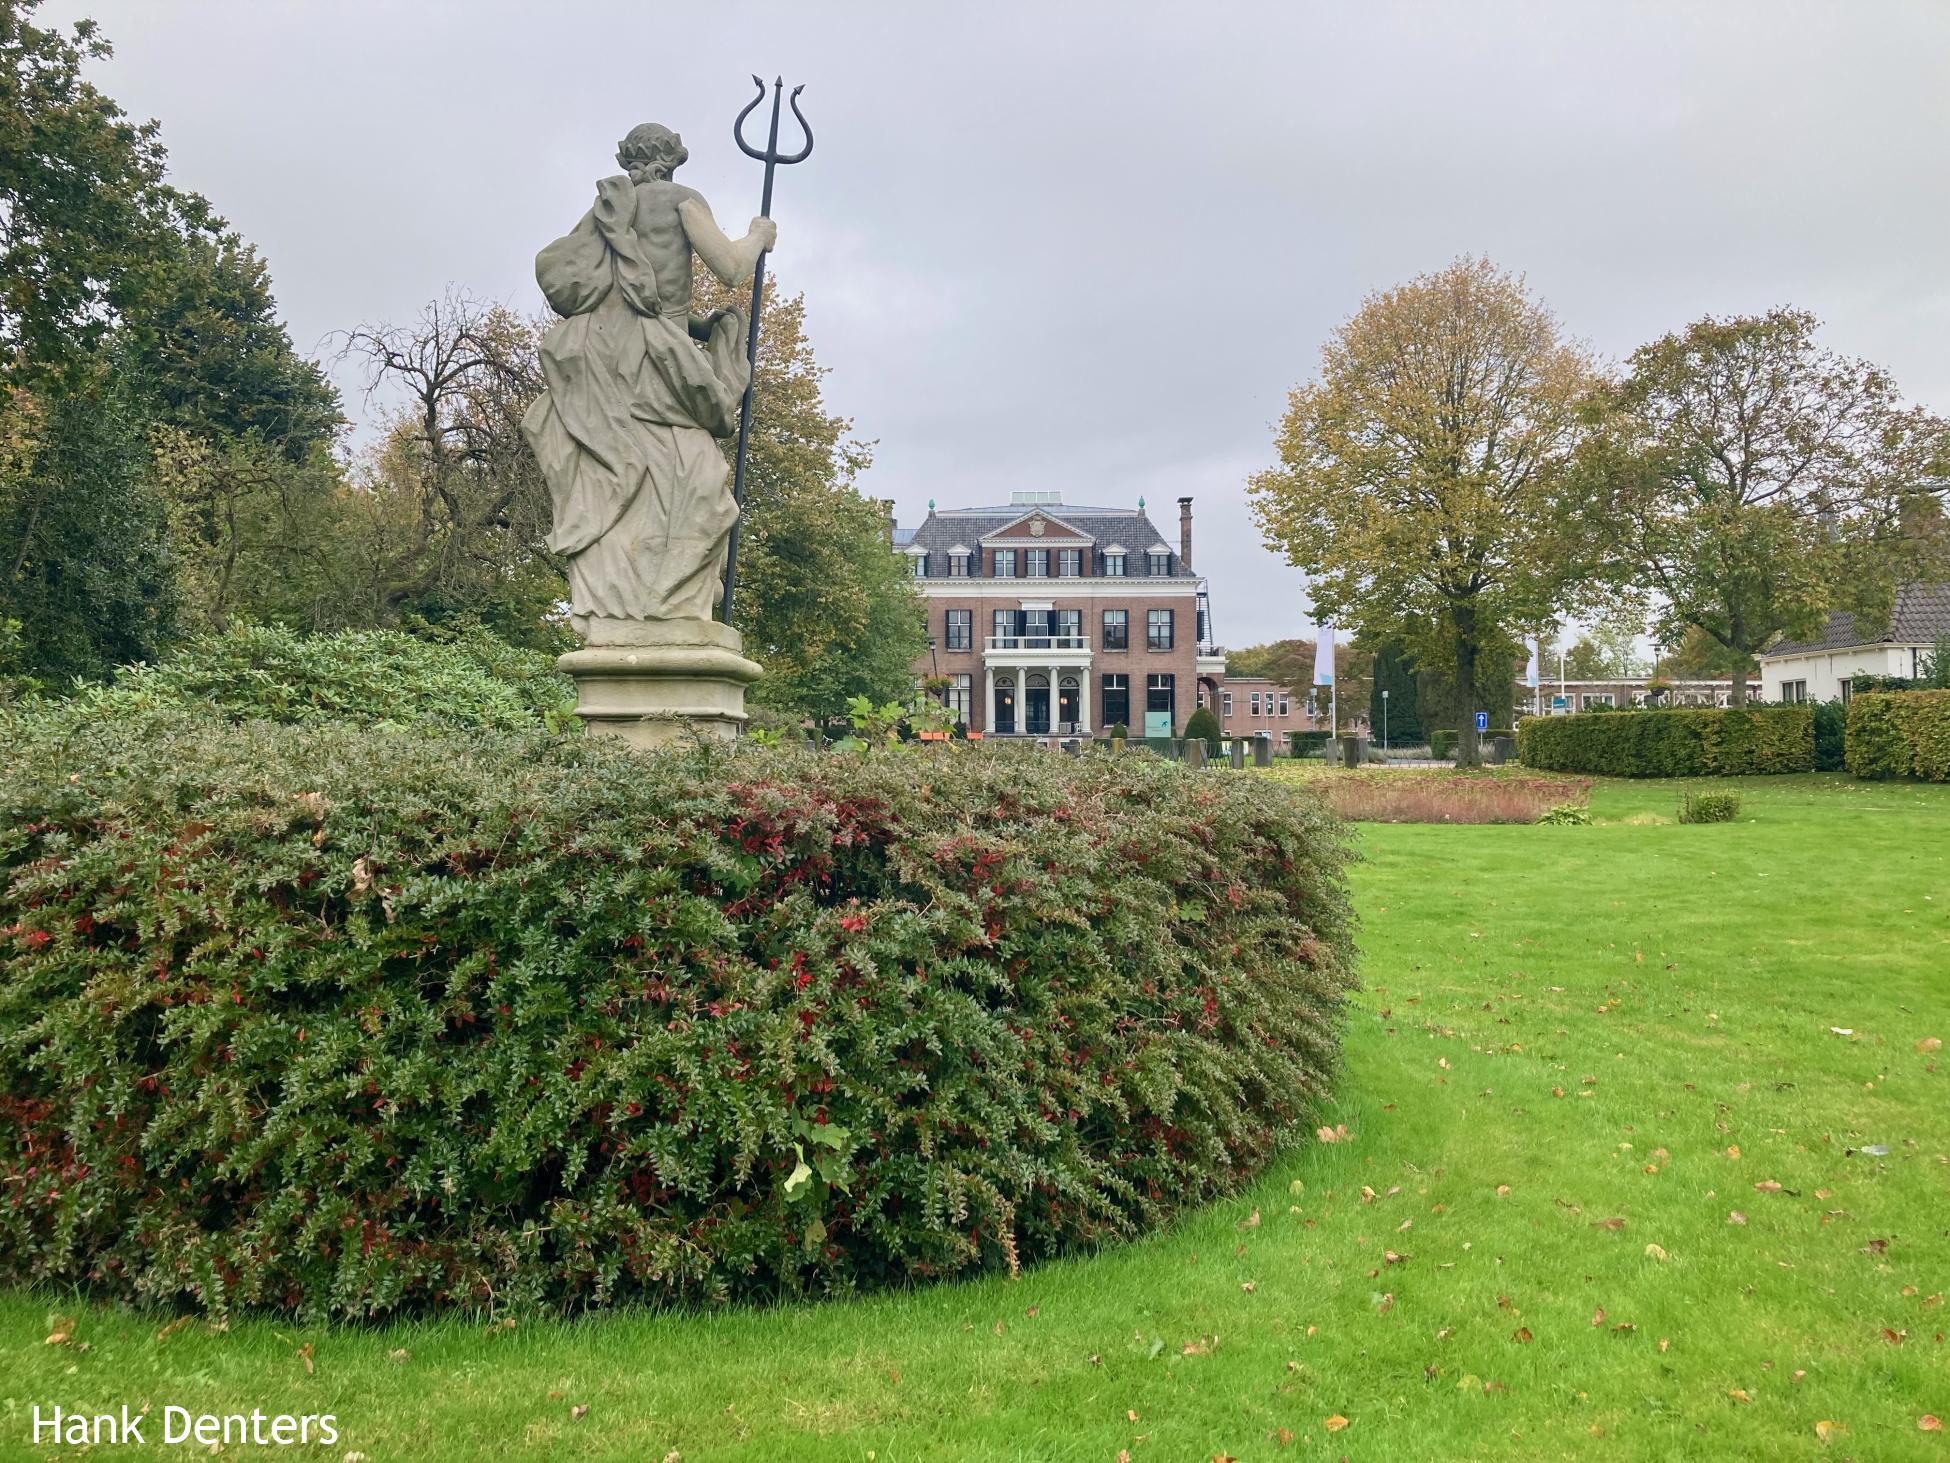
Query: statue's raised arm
{"x": 731, "y": 261}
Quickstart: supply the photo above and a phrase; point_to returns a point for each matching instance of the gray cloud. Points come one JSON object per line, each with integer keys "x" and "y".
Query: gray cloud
{"x": 1088, "y": 246}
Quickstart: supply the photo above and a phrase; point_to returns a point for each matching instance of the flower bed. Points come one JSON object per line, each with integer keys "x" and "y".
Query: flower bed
{"x": 1373, "y": 796}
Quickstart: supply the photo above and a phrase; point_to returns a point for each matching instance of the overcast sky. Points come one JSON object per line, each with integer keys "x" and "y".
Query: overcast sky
{"x": 1090, "y": 247}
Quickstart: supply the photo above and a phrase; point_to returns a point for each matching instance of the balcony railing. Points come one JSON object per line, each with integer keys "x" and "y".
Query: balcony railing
{"x": 1047, "y": 641}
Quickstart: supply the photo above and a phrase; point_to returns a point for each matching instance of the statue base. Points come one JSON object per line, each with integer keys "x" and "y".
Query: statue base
{"x": 650, "y": 682}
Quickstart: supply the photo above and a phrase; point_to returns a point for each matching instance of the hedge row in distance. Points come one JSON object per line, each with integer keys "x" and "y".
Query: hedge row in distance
{"x": 1899, "y": 734}
{"x": 1685, "y": 742}
{"x": 346, "y": 1021}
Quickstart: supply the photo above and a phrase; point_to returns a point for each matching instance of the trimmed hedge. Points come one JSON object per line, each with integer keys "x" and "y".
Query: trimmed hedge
{"x": 1683, "y": 742}
{"x": 1307, "y": 743}
{"x": 344, "y": 1022}
{"x": 1831, "y": 730}
{"x": 1442, "y": 743}
{"x": 1899, "y": 734}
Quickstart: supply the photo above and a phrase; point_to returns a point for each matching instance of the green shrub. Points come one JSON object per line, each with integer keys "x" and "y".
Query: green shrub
{"x": 1118, "y": 729}
{"x": 1709, "y": 807}
{"x": 1566, "y": 815}
{"x": 1203, "y": 726}
{"x": 1442, "y": 744}
{"x": 1831, "y": 723}
{"x": 345, "y": 1021}
{"x": 1307, "y": 743}
{"x": 370, "y": 677}
{"x": 1899, "y": 734}
{"x": 1682, "y": 742}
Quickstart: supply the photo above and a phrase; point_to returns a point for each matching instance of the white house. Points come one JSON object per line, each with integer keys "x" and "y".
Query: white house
{"x": 1822, "y": 668}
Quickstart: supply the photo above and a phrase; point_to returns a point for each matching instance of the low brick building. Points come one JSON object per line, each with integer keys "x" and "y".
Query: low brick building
{"x": 1049, "y": 619}
{"x": 1252, "y": 706}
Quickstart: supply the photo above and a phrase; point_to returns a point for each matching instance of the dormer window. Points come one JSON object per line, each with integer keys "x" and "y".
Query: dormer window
{"x": 1114, "y": 562}
{"x": 920, "y": 565}
{"x": 958, "y": 564}
{"x": 1158, "y": 560}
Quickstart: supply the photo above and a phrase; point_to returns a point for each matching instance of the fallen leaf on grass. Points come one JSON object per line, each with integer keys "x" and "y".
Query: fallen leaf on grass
{"x": 173, "y": 1327}
{"x": 1614, "y": 1224}
{"x": 1248, "y": 1286}
{"x": 304, "y": 1355}
{"x": 1285, "y": 1436}
{"x": 1251, "y": 1221}
{"x": 1501, "y": 1190}
{"x": 399, "y": 1357}
{"x": 1598, "y": 1316}
{"x": 1768, "y": 1186}
{"x": 1736, "y": 1217}
{"x": 1733, "y": 1150}
{"x": 1741, "y": 1394}
{"x": 1929, "y": 1422}
{"x": 1335, "y": 1134}
{"x": 60, "y": 1331}
{"x": 1130, "y": 1414}
{"x": 578, "y": 1412}
{"x": 1335, "y": 1423}
{"x": 1828, "y": 1431}
{"x": 1930, "y": 1044}
{"x": 1522, "y": 1336}
{"x": 1655, "y": 1252}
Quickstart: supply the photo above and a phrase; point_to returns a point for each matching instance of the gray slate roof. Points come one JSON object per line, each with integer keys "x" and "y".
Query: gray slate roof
{"x": 944, "y": 529}
{"x": 1921, "y": 614}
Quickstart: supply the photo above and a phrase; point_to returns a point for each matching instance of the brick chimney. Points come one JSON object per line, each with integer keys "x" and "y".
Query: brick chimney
{"x": 1185, "y": 533}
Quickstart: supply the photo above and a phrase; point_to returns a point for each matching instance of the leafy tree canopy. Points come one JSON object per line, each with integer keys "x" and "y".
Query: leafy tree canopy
{"x": 1763, "y": 480}
{"x": 1423, "y": 480}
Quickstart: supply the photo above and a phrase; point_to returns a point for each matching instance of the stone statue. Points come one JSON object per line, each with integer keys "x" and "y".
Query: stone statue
{"x": 639, "y": 389}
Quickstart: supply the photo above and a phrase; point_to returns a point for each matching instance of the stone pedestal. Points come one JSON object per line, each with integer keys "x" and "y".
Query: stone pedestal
{"x": 655, "y": 681}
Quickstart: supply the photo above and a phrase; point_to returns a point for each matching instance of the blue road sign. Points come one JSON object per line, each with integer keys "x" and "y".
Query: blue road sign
{"x": 1482, "y": 721}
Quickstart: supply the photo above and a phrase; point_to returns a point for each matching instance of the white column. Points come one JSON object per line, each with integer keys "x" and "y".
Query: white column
{"x": 1083, "y": 702}
{"x": 988, "y": 705}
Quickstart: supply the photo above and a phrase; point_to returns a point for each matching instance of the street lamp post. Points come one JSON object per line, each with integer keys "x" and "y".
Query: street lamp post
{"x": 1384, "y": 723}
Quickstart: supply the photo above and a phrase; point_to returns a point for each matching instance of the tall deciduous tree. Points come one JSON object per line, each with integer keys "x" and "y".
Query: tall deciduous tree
{"x": 446, "y": 516}
{"x": 147, "y": 389}
{"x": 1765, "y": 481}
{"x": 1423, "y": 479}
{"x": 823, "y": 602}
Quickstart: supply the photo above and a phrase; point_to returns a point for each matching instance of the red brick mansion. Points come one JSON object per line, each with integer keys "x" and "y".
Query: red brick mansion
{"x": 1049, "y": 619}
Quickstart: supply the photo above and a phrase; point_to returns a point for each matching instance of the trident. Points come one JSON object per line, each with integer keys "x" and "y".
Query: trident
{"x": 772, "y": 158}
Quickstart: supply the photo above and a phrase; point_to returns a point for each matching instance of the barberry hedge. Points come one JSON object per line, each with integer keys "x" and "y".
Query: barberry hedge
{"x": 1899, "y": 734}
{"x": 1682, "y": 742}
{"x": 346, "y": 1021}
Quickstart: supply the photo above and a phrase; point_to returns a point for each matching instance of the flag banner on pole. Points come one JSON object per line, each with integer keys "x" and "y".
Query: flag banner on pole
{"x": 1532, "y": 671}
{"x": 1324, "y": 657}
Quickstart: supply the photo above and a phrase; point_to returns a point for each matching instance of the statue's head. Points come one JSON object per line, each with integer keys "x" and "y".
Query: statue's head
{"x": 651, "y": 151}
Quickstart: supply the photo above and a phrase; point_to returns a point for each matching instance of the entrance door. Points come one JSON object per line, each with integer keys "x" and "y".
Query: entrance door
{"x": 1066, "y": 703}
{"x": 1005, "y": 707}
{"x": 1035, "y": 706}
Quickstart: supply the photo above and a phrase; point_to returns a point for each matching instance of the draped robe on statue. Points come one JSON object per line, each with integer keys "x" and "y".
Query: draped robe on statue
{"x": 626, "y": 430}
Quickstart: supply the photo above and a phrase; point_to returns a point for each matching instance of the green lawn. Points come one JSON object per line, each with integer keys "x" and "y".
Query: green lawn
{"x": 1576, "y": 1045}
